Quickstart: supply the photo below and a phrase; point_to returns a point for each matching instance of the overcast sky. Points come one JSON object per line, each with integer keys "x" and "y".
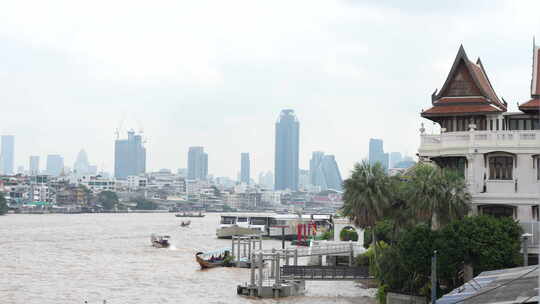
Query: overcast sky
{"x": 217, "y": 73}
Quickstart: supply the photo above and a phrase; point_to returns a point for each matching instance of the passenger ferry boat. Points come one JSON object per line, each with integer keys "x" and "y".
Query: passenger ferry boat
{"x": 269, "y": 225}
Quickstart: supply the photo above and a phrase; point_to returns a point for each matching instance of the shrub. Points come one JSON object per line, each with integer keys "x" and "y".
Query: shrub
{"x": 348, "y": 234}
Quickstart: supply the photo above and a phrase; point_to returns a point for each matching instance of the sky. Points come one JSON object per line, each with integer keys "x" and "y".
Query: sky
{"x": 217, "y": 74}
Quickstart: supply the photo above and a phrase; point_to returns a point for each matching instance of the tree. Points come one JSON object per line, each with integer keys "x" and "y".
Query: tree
{"x": 483, "y": 242}
{"x": 144, "y": 204}
{"x": 367, "y": 195}
{"x": 108, "y": 199}
{"x": 437, "y": 196}
{"x": 3, "y": 205}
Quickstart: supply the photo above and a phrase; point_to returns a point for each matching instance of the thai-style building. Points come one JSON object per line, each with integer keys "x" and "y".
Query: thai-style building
{"x": 497, "y": 151}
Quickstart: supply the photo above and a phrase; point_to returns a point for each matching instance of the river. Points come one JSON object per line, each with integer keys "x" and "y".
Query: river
{"x": 60, "y": 258}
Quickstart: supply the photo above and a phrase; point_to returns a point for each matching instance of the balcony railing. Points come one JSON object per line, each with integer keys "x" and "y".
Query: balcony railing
{"x": 479, "y": 139}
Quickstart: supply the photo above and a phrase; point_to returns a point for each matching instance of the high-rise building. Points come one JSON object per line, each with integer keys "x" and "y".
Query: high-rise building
{"x": 286, "y": 151}
{"x": 81, "y": 165}
{"x": 33, "y": 167}
{"x": 303, "y": 179}
{"x": 395, "y": 157}
{"x": 129, "y": 156}
{"x": 55, "y": 164}
{"x": 314, "y": 163}
{"x": 376, "y": 153}
{"x": 266, "y": 180}
{"x": 324, "y": 172}
{"x": 8, "y": 154}
{"x": 197, "y": 164}
{"x": 245, "y": 175}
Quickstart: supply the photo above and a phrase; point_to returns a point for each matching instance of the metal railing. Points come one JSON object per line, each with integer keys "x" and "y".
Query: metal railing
{"x": 324, "y": 273}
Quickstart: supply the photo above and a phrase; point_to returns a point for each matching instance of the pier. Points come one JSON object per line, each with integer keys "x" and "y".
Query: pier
{"x": 288, "y": 279}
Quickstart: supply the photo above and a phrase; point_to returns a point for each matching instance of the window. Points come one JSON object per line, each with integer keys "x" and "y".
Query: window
{"x": 491, "y": 124}
{"x": 535, "y": 212}
{"x": 500, "y": 167}
{"x": 537, "y": 167}
{"x": 497, "y": 210}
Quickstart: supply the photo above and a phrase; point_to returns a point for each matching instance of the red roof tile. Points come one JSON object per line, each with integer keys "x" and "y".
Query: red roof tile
{"x": 533, "y": 104}
{"x": 466, "y": 99}
{"x": 460, "y": 109}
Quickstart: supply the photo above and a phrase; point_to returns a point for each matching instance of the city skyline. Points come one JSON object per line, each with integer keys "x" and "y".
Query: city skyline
{"x": 200, "y": 87}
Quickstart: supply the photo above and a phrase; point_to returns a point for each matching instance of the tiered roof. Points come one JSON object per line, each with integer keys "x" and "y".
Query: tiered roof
{"x": 533, "y": 105}
{"x": 467, "y": 90}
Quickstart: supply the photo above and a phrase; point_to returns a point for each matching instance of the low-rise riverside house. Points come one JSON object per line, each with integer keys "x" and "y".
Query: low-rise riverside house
{"x": 498, "y": 152}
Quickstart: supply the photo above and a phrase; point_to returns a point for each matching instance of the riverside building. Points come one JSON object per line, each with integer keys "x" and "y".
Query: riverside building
{"x": 498, "y": 152}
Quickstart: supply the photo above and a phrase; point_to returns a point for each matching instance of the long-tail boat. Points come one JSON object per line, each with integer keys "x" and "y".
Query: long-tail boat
{"x": 213, "y": 259}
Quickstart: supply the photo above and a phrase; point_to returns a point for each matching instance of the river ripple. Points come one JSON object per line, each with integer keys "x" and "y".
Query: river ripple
{"x": 56, "y": 258}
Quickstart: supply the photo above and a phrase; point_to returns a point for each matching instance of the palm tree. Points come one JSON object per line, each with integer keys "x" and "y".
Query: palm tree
{"x": 367, "y": 195}
{"x": 436, "y": 195}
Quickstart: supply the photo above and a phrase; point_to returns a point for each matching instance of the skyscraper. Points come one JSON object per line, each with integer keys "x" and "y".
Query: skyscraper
{"x": 55, "y": 164}
{"x": 376, "y": 153}
{"x": 324, "y": 172}
{"x": 286, "y": 151}
{"x": 197, "y": 164}
{"x": 395, "y": 157}
{"x": 81, "y": 165}
{"x": 129, "y": 156}
{"x": 33, "y": 167}
{"x": 245, "y": 175}
{"x": 7, "y": 153}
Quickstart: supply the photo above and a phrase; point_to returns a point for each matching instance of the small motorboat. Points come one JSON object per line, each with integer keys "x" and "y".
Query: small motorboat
{"x": 214, "y": 259}
{"x": 185, "y": 223}
{"x": 160, "y": 241}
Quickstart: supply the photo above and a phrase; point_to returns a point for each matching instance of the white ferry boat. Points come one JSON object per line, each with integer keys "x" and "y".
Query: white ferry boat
{"x": 269, "y": 225}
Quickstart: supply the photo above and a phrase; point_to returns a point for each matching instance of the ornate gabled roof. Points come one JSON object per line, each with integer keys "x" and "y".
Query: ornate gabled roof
{"x": 467, "y": 89}
{"x": 533, "y": 105}
{"x": 535, "y": 82}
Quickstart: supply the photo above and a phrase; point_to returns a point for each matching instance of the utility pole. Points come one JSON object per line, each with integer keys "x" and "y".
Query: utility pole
{"x": 525, "y": 238}
{"x": 434, "y": 277}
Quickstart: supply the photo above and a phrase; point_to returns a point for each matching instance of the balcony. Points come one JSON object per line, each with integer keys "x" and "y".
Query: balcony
{"x": 483, "y": 141}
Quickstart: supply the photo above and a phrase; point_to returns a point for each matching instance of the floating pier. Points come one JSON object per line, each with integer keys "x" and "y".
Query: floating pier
{"x": 289, "y": 279}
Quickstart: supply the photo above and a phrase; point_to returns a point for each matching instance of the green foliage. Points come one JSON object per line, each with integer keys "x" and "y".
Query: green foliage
{"x": 485, "y": 242}
{"x": 384, "y": 231}
{"x": 108, "y": 199}
{"x": 367, "y": 195}
{"x": 437, "y": 196}
{"x": 144, "y": 204}
{"x": 3, "y": 205}
{"x": 348, "y": 234}
{"x": 381, "y": 294}
{"x": 327, "y": 235}
{"x": 388, "y": 268}
{"x": 228, "y": 208}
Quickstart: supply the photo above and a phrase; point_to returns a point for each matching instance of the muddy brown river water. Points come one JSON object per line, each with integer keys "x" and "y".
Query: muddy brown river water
{"x": 57, "y": 258}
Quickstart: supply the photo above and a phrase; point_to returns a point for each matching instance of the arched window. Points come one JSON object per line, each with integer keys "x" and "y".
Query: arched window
{"x": 501, "y": 167}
